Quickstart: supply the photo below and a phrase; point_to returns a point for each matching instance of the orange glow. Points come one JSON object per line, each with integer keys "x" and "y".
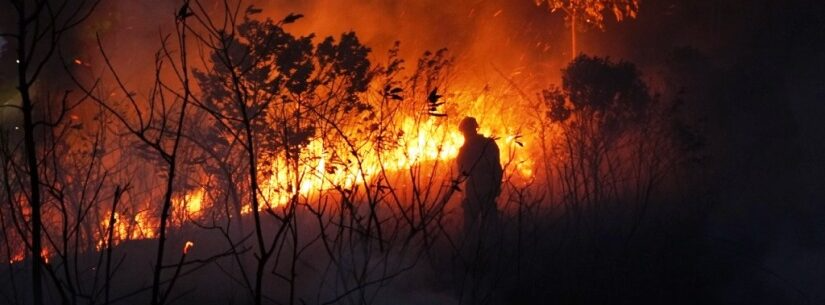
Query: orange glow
{"x": 144, "y": 226}
{"x": 326, "y": 163}
{"x": 423, "y": 140}
{"x": 139, "y": 227}
{"x": 191, "y": 204}
{"x": 17, "y": 257}
{"x": 188, "y": 246}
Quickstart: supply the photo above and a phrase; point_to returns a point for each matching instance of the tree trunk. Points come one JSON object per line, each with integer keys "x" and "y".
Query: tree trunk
{"x": 573, "y": 36}
{"x": 31, "y": 160}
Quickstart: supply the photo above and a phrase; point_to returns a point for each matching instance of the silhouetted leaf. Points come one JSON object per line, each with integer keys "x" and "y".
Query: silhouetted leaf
{"x": 252, "y": 10}
{"x": 292, "y": 17}
{"x": 433, "y": 96}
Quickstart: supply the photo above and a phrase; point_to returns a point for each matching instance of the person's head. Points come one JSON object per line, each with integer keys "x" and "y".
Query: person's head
{"x": 468, "y": 126}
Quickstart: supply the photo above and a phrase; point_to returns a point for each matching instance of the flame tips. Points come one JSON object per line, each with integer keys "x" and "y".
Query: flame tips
{"x": 17, "y": 258}
{"x": 188, "y": 246}
{"x": 44, "y": 254}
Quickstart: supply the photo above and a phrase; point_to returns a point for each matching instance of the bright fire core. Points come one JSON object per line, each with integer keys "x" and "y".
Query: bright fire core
{"x": 425, "y": 140}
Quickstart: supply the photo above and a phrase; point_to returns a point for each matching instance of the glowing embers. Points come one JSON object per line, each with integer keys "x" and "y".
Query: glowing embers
{"x": 188, "y": 246}
{"x": 17, "y": 257}
{"x": 20, "y": 255}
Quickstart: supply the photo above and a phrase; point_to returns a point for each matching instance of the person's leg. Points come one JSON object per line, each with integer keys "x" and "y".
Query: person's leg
{"x": 489, "y": 216}
{"x": 471, "y": 218}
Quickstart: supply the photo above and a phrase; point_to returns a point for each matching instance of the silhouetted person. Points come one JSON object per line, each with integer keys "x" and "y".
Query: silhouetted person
{"x": 480, "y": 168}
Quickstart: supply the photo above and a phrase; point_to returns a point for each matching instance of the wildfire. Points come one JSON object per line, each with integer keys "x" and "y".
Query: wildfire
{"x": 325, "y": 166}
{"x": 140, "y": 227}
{"x": 21, "y": 255}
{"x": 188, "y": 246}
{"x": 422, "y": 142}
{"x": 428, "y": 140}
{"x": 190, "y": 204}
{"x": 17, "y": 257}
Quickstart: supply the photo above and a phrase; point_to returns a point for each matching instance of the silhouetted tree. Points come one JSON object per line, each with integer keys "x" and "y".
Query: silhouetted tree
{"x": 274, "y": 92}
{"x": 599, "y": 106}
{"x": 40, "y": 25}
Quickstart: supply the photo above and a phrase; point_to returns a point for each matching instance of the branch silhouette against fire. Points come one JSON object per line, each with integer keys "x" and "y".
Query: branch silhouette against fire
{"x": 258, "y": 158}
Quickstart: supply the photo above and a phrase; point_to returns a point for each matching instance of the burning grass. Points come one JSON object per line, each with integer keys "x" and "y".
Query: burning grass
{"x": 276, "y": 147}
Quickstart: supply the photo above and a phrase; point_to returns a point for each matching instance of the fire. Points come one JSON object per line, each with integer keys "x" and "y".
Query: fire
{"x": 190, "y": 204}
{"x": 139, "y": 227}
{"x": 21, "y": 255}
{"x": 144, "y": 226}
{"x": 424, "y": 140}
{"x": 17, "y": 257}
{"x": 188, "y": 246}
{"x": 325, "y": 166}
{"x": 119, "y": 230}
{"x": 79, "y": 62}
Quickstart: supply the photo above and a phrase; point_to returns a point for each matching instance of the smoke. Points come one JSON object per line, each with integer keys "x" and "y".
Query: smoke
{"x": 490, "y": 39}
{"x": 510, "y": 36}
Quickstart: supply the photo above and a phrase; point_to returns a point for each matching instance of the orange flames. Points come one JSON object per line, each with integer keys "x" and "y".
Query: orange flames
{"x": 17, "y": 257}
{"x": 422, "y": 141}
{"x": 190, "y": 205}
{"x": 138, "y": 227}
{"x": 20, "y": 255}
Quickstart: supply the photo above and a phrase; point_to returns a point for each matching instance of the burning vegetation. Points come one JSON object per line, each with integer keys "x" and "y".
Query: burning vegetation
{"x": 252, "y": 160}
